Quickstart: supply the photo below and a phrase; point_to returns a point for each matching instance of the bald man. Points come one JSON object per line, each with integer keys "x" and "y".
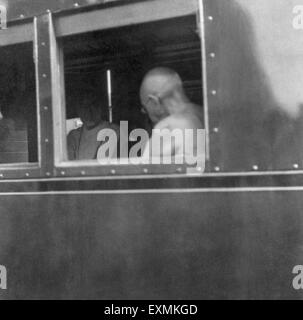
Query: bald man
{"x": 164, "y": 100}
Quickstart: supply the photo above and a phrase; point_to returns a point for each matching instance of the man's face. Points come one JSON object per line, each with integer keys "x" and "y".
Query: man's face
{"x": 152, "y": 106}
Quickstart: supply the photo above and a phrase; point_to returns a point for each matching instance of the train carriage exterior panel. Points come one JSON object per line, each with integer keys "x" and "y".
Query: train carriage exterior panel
{"x": 152, "y": 245}
{"x": 234, "y": 232}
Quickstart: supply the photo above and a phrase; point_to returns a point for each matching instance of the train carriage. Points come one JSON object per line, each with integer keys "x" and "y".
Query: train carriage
{"x": 82, "y": 230}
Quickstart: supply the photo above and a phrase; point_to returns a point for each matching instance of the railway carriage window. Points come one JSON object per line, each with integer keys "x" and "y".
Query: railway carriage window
{"x": 103, "y": 74}
{"x": 18, "y": 120}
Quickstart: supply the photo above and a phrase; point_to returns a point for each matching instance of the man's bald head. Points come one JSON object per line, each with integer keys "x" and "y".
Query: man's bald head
{"x": 161, "y": 93}
{"x": 160, "y": 82}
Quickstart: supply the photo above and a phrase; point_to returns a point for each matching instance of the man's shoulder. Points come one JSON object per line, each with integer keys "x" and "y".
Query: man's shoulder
{"x": 107, "y": 125}
{"x": 186, "y": 120}
{"x": 74, "y": 133}
{"x": 108, "y": 129}
{"x": 114, "y": 126}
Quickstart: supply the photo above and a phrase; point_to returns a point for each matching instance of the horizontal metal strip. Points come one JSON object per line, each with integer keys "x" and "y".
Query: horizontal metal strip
{"x": 123, "y": 16}
{"x": 158, "y": 191}
{"x": 17, "y": 34}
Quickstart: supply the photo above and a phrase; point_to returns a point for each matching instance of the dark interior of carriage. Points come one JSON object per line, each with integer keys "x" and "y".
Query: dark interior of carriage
{"x": 129, "y": 52}
{"x": 18, "y": 120}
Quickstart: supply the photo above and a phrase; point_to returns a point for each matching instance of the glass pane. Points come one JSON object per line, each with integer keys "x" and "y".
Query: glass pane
{"x": 104, "y": 72}
{"x": 18, "y": 117}
{"x": 255, "y": 79}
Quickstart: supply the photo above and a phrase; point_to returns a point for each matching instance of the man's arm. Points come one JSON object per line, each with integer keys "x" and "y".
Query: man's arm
{"x": 72, "y": 145}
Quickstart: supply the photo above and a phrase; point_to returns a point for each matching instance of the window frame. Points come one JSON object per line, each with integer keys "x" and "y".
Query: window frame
{"x": 50, "y": 113}
{"x": 104, "y": 19}
{"x": 18, "y": 34}
{"x": 107, "y": 18}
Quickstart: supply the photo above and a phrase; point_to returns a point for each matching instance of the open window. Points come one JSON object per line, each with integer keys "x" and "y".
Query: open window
{"x": 106, "y": 68}
{"x": 101, "y": 75}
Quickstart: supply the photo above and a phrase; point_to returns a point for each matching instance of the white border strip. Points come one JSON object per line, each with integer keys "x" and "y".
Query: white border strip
{"x": 204, "y": 76}
{"x": 155, "y": 191}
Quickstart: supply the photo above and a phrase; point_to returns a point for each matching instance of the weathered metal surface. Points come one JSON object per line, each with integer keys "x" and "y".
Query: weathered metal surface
{"x": 122, "y": 16}
{"x": 22, "y": 9}
{"x": 44, "y": 77}
{"x": 151, "y": 246}
{"x": 174, "y": 244}
{"x": 254, "y": 61}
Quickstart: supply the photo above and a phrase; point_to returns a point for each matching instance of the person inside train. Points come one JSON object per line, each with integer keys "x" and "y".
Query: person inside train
{"x": 82, "y": 143}
{"x": 164, "y": 99}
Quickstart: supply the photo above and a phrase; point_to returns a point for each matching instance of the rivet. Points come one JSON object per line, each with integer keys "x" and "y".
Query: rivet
{"x": 46, "y": 140}
{"x": 145, "y": 170}
{"x": 296, "y": 166}
{"x": 27, "y": 174}
{"x": 212, "y": 55}
{"x": 43, "y": 43}
{"x": 216, "y": 130}
{"x": 44, "y": 75}
{"x": 210, "y": 18}
{"x": 255, "y": 168}
{"x": 179, "y": 170}
{"x": 45, "y": 108}
{"x": 83, "y": 173}
{"x": 63, "y": 173}
{"x": 22, "y": 16}
{"x": 213, "y": 92}
{"x": 113, "y": 171}
{"x": 217, "y": 169}
{"x": 48, "y": 174}
{"x": 1, "y": 175}
{"x": 48, "y": 11}
{"x": 76, "y": 4}
{"x": 199, "y": 169}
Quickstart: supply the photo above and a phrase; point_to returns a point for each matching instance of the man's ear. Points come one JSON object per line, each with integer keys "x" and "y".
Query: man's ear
{"x": 153, "y": 98}
{"x": 156, "y": 103}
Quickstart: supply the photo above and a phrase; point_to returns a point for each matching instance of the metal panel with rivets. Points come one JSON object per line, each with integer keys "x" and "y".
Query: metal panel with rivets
{"x": 254, "y": 77}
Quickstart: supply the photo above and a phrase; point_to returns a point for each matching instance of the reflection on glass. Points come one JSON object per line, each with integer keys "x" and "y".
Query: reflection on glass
{"x": 255, "y": 86}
